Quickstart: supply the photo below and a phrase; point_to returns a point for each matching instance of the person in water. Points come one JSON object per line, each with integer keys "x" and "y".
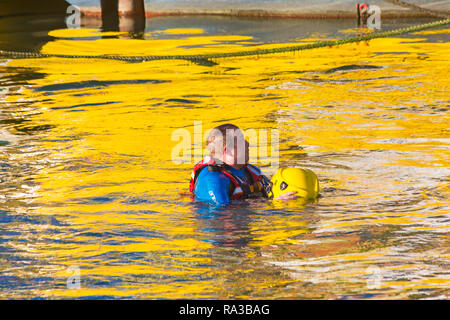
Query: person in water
{"x": 225, "y": 173}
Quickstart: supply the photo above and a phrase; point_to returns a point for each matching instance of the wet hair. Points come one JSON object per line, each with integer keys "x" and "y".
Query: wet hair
{"x": 221, "y": 133}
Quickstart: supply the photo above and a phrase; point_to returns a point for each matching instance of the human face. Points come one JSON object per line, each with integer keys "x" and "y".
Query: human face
{"x": 238, "y": 156}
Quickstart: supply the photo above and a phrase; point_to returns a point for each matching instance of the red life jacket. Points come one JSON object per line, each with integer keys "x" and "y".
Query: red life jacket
{"x": 241, "y": 189}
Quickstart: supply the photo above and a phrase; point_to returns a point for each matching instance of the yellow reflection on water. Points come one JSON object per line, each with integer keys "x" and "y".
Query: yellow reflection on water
{"x": 379, "y": 136}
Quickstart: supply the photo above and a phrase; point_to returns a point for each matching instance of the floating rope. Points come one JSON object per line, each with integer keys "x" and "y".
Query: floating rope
{"x": 204, "y": 58}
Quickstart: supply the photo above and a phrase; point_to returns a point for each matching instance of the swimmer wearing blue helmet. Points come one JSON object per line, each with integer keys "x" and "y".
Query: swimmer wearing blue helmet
{"x": 225, "y": 173}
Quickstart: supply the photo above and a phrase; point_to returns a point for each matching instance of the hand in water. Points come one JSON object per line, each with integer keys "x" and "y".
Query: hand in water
{"x": 287, "y": 196}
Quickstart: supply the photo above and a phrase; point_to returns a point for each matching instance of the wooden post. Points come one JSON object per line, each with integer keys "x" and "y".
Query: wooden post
{"x": 132, "y": 8}
{"x": 132, "y": 13}
{"x": 123, "y": 15}
{"x": 110, "y": 15}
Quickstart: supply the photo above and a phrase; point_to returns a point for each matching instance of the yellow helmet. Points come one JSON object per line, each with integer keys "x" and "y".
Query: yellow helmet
{"x": 304, "y": 181}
